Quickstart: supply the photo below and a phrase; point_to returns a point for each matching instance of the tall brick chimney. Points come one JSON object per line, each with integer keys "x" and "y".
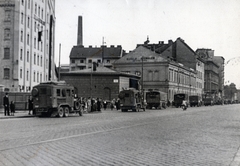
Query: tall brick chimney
{"x": 79, "y": 36}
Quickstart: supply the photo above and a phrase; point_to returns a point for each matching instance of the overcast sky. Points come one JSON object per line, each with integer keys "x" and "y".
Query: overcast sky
{"x": 213, "y": 24}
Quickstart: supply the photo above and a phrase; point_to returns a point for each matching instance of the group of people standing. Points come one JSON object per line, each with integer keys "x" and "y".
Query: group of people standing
{"x": 8, "y": 106}
{"x": 91, "y": 104}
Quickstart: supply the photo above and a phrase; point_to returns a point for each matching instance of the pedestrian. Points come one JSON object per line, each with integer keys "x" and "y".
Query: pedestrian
{"x": 98, "y": 105}
{"x": 89, "y": 104}
{"x": 112, "y": 104}
{"x": 117, "y": 103}
{"x": 6, "y": 104}
{"x": 168, "y": 103}
{"x": 12, "y": 108}
{"x": 30, "y": 105}
{"x": 105, "y": 104}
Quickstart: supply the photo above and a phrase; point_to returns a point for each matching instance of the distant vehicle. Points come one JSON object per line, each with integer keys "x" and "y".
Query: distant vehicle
{"x": 156, "y": 99}
{"x": 178, "y": 99}
{"x": 208, "y": 101}
{"x": 194, "y": 101}
{"x": 55, "y": 98}
{"x": 131, "y": 99}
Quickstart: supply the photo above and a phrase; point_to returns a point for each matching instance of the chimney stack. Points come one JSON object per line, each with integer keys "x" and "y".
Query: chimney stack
{"x": 80, "y": 36}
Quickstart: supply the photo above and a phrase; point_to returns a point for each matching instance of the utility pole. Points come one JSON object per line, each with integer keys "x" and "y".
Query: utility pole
{"x": 142, "y": 82}
{"x": 59, "y": 62}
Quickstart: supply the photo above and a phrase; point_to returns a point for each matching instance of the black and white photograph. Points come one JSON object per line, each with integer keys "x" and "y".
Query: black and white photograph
{"x": 119, "y": 83}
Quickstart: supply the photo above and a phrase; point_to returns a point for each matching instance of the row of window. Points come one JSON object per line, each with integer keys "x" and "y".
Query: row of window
{"x": 175, "y": 76}
{"x": 89, "y": 61}
{"x": 37, "y": 60}
{"x": 37, "y": 8}
{"x": 37, "y": 77}
{"x": 36, "y": 44}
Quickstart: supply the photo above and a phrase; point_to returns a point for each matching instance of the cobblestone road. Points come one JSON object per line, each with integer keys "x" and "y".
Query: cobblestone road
{"x": 199, "y": 136}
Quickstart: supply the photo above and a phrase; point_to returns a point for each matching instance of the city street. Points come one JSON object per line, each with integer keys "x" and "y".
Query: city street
{"x": 199, "y": 136}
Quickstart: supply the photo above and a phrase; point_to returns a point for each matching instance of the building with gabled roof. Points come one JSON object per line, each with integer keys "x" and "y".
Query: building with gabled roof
{"x": 180, "y": 52}
{"x": 158, "y": 72}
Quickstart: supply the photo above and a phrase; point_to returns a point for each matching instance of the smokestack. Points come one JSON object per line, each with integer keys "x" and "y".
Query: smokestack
{"x": 79, "y": 38}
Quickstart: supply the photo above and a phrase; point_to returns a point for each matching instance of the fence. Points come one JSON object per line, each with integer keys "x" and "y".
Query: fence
{"x": 20, "y": 99}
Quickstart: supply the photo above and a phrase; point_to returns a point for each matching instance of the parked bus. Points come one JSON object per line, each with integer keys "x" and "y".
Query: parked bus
{"x": 131, "y": 99}
{"x": 178, "y": 98}
{"x": 156, "y": 99}
{"x": 55, "y": 99}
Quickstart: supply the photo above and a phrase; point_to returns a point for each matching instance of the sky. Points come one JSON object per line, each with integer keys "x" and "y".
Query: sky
{"x": 213, "y": 24}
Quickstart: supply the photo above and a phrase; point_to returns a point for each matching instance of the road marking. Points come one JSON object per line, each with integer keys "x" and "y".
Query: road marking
{"x": 75, "y": 136}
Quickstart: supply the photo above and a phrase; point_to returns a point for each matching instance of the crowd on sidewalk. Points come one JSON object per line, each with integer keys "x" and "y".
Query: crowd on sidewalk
{"x": 96, "y": 104}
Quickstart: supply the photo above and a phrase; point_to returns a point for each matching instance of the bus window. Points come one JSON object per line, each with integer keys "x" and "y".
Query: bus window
{"x": 58, "y": 92}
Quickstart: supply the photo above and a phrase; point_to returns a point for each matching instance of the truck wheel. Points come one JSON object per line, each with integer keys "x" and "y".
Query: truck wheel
{"x": 66, "y": 112}
{"x": 60, "y": 112}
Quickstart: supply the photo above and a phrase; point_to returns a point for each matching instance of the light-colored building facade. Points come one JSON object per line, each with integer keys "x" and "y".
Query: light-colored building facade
{"x": 219, "y": 60}
{"x": 27, "y": 30}
{"x": 179, "y": 52}
{"x": 83, "y": 57}
{"x": 158, "y": 72}
{"x": 214, "y": 73}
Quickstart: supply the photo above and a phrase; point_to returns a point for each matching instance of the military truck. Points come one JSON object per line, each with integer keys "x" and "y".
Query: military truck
{"x": 55, "y": 99}
{"x": 178, "y": 99}
{"x": 156, "y": 99}
{"x": 194, "y": 100}
{"x": 131, "y": 99}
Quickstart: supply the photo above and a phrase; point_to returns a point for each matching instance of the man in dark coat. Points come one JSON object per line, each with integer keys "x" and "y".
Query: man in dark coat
{"x": 30, "y": 106}
{"x": 6, "y": 104}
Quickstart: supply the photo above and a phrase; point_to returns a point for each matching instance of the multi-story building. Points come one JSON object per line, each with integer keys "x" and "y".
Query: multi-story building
{"x": 83, "y": 57}
{"x": 27, "y": 30}
{"x": 214, "y": 73}
{"x": 180, "y": 52}
{"x": 219, "y": 60}
{"x": 158, "y": 72}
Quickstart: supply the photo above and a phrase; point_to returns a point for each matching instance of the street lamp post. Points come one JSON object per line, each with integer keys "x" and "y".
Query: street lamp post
{"x": 142, "y": 81}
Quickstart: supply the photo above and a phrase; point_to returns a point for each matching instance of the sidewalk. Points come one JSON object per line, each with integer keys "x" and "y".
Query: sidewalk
{"x": 17, "y": 114}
